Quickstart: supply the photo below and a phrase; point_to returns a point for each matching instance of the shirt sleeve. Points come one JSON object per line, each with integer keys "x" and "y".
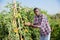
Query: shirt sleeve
{"x": 35, "y": 21}
{"x": 44, "y": 19}
{"x": 43, "y": 22}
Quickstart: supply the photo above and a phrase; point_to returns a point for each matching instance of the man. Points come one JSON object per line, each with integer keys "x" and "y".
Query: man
{"x": 40, "y": 21}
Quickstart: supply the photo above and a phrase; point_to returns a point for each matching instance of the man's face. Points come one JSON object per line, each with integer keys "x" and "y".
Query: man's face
{"x": 36, "y": 12}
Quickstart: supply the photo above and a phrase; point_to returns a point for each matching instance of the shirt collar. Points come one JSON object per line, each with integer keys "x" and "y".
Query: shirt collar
{"x": 38, "y": 16}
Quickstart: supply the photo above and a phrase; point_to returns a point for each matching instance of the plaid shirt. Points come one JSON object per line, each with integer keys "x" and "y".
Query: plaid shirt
{"x": 43, "y": 23}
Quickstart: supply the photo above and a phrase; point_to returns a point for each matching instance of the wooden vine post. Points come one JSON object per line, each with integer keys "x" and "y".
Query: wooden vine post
{"x": 15, "y": 12}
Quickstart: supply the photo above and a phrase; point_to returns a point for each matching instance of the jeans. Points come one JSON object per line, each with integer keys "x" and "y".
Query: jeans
{"x": 47, "y": 37}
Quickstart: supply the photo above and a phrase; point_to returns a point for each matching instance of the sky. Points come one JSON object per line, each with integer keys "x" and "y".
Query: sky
{"x": 51, "y": 6}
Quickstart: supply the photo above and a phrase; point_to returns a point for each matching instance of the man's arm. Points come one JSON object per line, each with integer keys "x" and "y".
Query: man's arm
{"x": 32, "y": 25}
{"x": 35, "y": 26}
{"x": 42, "y": 22}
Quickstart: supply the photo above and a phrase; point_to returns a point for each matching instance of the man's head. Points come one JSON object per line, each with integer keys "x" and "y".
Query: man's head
{"x": 36, "y": 11}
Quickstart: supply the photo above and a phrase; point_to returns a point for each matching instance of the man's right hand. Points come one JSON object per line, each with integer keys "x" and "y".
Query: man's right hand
{"x": 27, "y": 23}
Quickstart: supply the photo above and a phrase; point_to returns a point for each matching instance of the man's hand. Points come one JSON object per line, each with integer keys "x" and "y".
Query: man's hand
{"x": 27, "y": 23}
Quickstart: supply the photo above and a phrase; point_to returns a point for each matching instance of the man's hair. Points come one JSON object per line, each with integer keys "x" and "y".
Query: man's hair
{"x": 35, "y": 9}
